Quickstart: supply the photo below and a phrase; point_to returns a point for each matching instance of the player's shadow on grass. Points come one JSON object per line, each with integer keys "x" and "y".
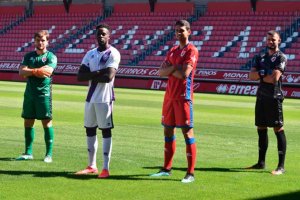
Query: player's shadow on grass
{"x": 7, "y": 159}
{"x": 43, "y": 174}
{"x": 72, "y": 175}
{"x": 212, "y": 169}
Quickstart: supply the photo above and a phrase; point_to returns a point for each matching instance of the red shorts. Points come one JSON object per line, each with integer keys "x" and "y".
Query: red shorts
{"x": 177, "y": 113}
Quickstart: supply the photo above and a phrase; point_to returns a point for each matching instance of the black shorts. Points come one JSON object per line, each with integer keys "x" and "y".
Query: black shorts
{"x": 268, "y": 112}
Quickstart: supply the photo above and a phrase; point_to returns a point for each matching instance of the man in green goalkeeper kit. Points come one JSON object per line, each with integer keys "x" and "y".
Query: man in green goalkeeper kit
{"x": 37, "y": 66}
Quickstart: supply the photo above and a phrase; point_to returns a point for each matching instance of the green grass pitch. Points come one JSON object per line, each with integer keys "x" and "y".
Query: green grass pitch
{"x": 226, "y": 142}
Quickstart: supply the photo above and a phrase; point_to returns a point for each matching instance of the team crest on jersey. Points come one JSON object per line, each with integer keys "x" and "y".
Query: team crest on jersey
{"x": 273, "y": 59}
{"x": 44, "y": 59}
{"x": 182, "y": 53}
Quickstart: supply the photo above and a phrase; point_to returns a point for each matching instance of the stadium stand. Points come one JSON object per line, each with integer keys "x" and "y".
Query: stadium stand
{"x": 62, "y": 26}
{"x": 228, "y": 38}
{"x": 138, "y": 30}
{"x": 227, "y": 35}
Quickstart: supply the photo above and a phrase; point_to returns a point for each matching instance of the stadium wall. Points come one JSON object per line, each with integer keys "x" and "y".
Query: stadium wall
{"x": 206, "y": 80}
{"x": 212, "y": 81}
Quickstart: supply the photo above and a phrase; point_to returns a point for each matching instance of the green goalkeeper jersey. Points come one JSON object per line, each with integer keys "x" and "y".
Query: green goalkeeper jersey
{"x": 35, "y": 85}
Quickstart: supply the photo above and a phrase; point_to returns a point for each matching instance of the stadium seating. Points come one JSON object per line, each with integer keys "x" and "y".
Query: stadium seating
{"x": 61, "y": 26}
{"x": 227, "y": 37}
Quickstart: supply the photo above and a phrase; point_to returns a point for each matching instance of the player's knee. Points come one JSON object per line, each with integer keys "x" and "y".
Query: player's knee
{"x": 106, "y": 133}
{"x": 278, "y": 129}
{"x": 90, "y": 132}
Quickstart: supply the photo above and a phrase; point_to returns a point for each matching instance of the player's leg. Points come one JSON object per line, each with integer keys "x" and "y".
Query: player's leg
{"x": 92, "y": 145}
{"x": 168, "y": 121}
{"x": 263, "y": 143}
{"x": 105, "y": 123}
{"x": 184, "y": 119}
{"x": 90, "y": 124}
{"x": 280, "y": 135}
{"x": 49, "y": 139}
{"x": 262, "y": 131}
{"x": 43, "y": 106}
{"x": 29, "y": 115}
{"x": 169, "y": 151}
{"x": 191, "y": 154}
{"x": 29, "y": 138}
{"x": 281, "y": 146}
{"x": 170, "y": 147}
{"x": 106, "y": 150}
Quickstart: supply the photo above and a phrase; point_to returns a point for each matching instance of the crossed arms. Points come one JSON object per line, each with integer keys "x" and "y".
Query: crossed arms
{"x": 272, "y": 77}
{"x": 180, "y": 72}
{"x": 102, "y": 76}
{"x": 42, "y": 72}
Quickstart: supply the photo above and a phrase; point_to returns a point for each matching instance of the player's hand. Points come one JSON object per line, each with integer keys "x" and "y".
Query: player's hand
{"x": 165, "y": 64}
{"x": 262, "y": 73}
{"x": 42, "y": 72}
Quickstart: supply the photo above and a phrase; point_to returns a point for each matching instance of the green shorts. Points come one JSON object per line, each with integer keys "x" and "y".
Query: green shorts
{"x": 37, "y": 107}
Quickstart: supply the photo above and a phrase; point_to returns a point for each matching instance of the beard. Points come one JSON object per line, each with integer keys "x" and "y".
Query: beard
{"x": 272, "y": 47}
{"x": 40, "y": 48}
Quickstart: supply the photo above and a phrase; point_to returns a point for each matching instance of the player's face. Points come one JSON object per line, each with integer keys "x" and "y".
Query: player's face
{"x": 182, "y": 33}
{"x": 273, "y": 41}
{"x": 102, "y": 36}
{"x": 41, "y": 43}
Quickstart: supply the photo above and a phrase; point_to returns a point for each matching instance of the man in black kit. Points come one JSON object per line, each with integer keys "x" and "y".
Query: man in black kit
{"x": 268, "y": 68}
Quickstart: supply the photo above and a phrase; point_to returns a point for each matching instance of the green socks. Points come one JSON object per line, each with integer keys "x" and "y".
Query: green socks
{"x": 29, "y": 137}
{"x": 49, "y": 136}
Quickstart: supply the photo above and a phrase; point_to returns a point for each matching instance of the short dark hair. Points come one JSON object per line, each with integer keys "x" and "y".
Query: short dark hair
{"x": 103, "y": 26}
{"x": 273, "y": 32}
{"x": 183, "y": 22}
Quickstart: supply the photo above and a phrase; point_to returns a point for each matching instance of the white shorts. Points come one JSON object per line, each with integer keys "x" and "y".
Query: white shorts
{"x": 98, "y": 115}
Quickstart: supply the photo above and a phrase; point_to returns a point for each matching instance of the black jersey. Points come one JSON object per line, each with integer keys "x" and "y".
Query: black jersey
{"x": 270, "y": 62}
{"x": 276, "y": 61}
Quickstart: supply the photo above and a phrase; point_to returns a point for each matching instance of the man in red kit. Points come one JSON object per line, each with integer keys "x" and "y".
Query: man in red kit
{"x": 177, "y": 112}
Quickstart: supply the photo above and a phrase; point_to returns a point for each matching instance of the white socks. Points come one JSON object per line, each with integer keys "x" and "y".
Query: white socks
{"x": 92, "y": 143}
{"x": 106, "y": 147}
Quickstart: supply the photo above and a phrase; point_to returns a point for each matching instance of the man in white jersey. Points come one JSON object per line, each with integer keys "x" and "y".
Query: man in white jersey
{"x": 99, "y": 67}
